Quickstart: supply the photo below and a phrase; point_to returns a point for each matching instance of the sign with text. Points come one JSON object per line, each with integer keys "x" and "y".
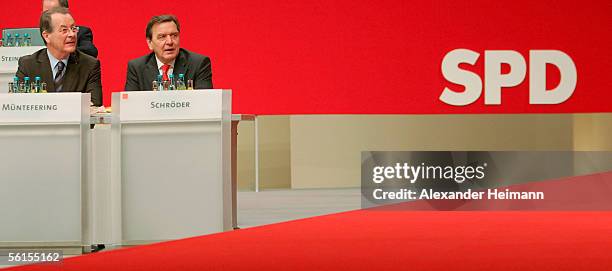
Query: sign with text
{"x": 486, "y": 180}
{"x": 9, "y": 57}
{"x": 43, "y": 107}
{"x": 169, "y": 105}
{"x": 495, "y": 79}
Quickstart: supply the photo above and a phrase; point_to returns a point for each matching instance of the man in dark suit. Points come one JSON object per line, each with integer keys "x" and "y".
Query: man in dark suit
{"x": 61, "y": 65}
{"x": 163, "y": 33}
{"x": 84, "y": 37}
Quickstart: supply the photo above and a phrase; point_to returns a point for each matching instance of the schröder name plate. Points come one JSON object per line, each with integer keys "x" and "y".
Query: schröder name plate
{"x": 41, "y": 107}
{"x": 170, "y": 105}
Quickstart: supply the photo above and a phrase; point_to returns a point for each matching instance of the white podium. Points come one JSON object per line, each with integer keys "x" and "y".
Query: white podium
{"x": 44, "y": 142}
{"x": 170, "y": 172}
{"x": 9, "y": 57}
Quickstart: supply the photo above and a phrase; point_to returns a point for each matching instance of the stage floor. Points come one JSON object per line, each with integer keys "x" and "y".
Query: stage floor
{"x": 273, "y": 206}
{"x": 376, "y": 239}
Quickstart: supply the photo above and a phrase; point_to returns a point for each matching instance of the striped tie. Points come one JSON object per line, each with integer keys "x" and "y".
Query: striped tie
{"x": 59, "y": 76}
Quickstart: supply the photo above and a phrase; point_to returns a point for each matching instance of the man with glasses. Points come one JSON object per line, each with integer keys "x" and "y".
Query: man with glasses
{"x": 84, "y": 37}
{"x": 163, "y": 38}
{"x": 61, "y": 65}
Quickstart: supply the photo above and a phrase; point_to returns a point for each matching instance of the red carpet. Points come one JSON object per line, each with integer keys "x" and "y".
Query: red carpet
{"x": 383, "y": 240}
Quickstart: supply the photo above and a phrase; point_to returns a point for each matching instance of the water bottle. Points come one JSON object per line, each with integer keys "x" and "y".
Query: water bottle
{"x": 26, "y": 84}
{"x": 8, "y": 42}
{"x": 15, "y": 84}
{"x": 43, "y": 87}
{"x": 171, "y": 85}
{"x": 180, "y": 83}
{"x": 10, "y": 84}
{"x": 155, "y": 85}
{"x": 189, "y": 84}
{"x": 160, "y": 87}
{"x": 37, "y": 85}
{"x": 27, "y": 40}
{"x": 17, "y": 40}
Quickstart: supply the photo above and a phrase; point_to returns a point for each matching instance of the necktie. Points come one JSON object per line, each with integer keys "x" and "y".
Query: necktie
{"x": 165, "y": 69}
{"x": 59, "y": 82}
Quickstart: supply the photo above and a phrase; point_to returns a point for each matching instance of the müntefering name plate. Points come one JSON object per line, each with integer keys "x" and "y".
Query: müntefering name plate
{"x": 41, "y": 107}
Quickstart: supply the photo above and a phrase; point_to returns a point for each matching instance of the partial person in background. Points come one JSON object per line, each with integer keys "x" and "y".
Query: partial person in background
{"x": 163, "y": 38}
{"x": 61, "y": 65}
{"x": 84, "y": 37}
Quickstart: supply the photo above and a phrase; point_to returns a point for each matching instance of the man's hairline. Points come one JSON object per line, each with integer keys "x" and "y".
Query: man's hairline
{"x": 52, "y": 28}
{"x": 156, "y": 24}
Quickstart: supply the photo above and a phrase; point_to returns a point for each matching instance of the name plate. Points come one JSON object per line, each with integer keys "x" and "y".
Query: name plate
{"x": 42, "y": 107}
{"x": 169, "y": 105}
{"x": 9, "y": 57}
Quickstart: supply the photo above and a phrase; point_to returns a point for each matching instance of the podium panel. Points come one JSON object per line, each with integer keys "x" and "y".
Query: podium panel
{"x": 171, "y": 164}
{"x": 44, "y": 140}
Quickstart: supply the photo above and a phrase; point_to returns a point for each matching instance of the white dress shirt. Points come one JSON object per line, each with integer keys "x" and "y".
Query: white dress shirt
{"x": 160, "y": 64}
{"x": 54, "y": 62}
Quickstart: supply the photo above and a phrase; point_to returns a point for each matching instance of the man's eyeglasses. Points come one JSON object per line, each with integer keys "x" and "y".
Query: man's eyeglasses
{"x": 64, "y": 30}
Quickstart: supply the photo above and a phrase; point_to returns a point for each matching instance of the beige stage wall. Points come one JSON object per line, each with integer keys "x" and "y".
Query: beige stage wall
{"x": 324, "y": 151}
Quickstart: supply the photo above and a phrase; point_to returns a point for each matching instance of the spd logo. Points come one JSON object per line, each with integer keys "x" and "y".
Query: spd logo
{"x": 494, "y": 80}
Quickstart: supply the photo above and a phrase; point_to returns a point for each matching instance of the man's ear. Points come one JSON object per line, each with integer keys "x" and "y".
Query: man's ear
{"x": 45, "y": 36}
{"x": 149, "y": 44}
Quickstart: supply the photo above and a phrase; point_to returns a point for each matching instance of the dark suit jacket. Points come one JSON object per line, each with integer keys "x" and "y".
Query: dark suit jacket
{"x": 143, "y": 71}
{"x": 85, "y": 41}
{"x": 82, "y": 73}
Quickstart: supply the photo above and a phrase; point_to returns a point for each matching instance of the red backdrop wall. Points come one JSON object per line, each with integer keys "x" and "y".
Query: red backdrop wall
{"x": 346, "y": 56}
